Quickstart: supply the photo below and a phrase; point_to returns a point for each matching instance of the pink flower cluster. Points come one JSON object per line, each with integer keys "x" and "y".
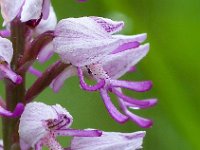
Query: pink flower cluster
{"x": 88, "y": 47}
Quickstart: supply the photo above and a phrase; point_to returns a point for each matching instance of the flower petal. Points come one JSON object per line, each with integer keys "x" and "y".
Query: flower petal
{"x": 46, "y": 9}
{"x": 5, "y": 33}
{"x": 48, "y": 24}
{"x": 116, "y": 65}
{"x": 142, "y": 122}
{"x": 109, "y": 25}
{"x": 60, "y": 79}
{"x": 109, "y": 141}
{"x": 6, "y": 50}
{"x": 114, "y": 113}
{"x": 35, "y": 72}
{"x": 32, "y": 9}
{"x": 23, "y": 145}
{"x": 134, "y": 102}
{"x": 46, "y": 53}
{"x": 151, "y": 102}
{"x": 78, "y": 133}
{"x": 126, "y": 46}
{"x": 16, "y": 113}
{"x": 139, "y": 86}
{"x": 131, "y": 38}
{"x": 81, "y": 41}
{"x": 10, "y": 9}
{"x": 6, "y": 72}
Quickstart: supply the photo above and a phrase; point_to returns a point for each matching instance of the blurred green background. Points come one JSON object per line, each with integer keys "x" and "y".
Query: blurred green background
{"x": 173, "y": 28}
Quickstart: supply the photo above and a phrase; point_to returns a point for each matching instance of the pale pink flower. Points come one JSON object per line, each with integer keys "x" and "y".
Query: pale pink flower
{"x": 25, "y": 9}
{"x": 89, "y": 45}
{"x": 109, "y": 141}
{"x": 6, "y": 54}
{"x": 40, "y": 124}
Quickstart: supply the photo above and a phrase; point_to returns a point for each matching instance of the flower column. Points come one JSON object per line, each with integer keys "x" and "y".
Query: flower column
{"x": 14, "y": 92}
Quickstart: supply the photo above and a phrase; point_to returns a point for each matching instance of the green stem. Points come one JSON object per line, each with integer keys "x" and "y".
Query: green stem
{"x": 14, "y": 93}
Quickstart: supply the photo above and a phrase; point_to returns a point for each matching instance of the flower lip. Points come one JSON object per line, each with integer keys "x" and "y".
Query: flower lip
{"x": 31, "y": 131}
{"x": 61, "y": 122}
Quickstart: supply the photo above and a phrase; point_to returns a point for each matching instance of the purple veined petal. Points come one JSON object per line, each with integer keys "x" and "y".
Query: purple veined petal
{"x": 131, "y": 38}
{"x": 45, "y": 119}
{"x": 109, "y": 25}
{"x": 139, "y": 103}
{"x": 86, "y": 87}
{"x": 59, "y": 80}
{"x": 16, "y": 113}
{"x": 31, "y": 10}
{"x": 6, "y": 50}
{"x": 78, "y": 133}
{"x": 6, "y": 72}
{"x": 116, "y": 65}
{"x": 81, "y": 41}
{"x": 35, "y": 72}
{"x": 46, "y": 53}
{"x": 139, "y": 86}
{"x": 114, "y": 113}
{"x": 10, "y": 9}
{"x": 5, "y": 33}
{"x": 46, "y": 9}
{"x": 110, "y": 141}
{"x": 126, "y": 46}
{"x": 142, "y": 122}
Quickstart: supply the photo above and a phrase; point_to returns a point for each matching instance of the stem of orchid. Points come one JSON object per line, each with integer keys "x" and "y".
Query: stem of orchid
{"x": 34, "y": 49}
{"x": 14, "y": 93}
{"x": 45, "y": 80}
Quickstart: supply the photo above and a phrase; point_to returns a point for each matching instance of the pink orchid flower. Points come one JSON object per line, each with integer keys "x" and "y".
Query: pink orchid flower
{"x": 92, "y": 47}
{"x": 25, "y": 9}
{"x": 40, "y": 124}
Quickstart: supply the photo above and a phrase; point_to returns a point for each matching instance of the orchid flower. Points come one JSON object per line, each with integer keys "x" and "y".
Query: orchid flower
{"x": 6, "y": 54}
{"x": 89, "y": 45}
{"x": 109, "y": 141}
{"x": 40, "y": 124}
{"x": 26, "y": 10}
